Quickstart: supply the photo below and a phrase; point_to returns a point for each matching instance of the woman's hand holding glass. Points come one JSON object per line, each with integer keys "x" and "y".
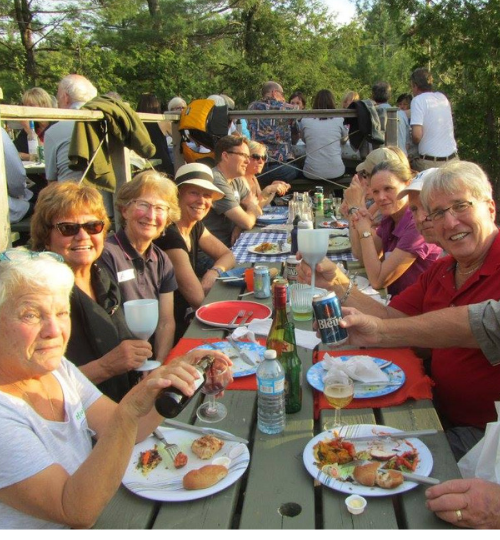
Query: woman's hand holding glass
{"x": 129, "y": 355}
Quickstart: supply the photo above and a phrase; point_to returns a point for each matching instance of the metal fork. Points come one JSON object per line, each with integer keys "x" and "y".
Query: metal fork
{"x": 241, "y": 313}
{"x": 172, "y": 449}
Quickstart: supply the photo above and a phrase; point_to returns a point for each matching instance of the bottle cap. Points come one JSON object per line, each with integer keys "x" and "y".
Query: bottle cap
{"x": 270, "y": 354}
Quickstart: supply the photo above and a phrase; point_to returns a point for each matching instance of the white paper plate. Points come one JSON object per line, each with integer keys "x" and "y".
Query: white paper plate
{"x": 424, "y": 466}
{"x": 151, "y": 487}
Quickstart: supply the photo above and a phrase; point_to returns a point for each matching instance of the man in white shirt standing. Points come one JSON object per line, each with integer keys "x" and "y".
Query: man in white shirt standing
{"x": 431, "y": 123}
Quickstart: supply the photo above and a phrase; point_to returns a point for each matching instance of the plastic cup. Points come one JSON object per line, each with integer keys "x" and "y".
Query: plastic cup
{"x": 249, "y": 279}
{"x": 301, "y": 302}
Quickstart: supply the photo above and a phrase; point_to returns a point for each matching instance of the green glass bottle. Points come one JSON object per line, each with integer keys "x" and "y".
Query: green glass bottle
{"x": 293, "y": 371}
{"x": 276, "y": 337}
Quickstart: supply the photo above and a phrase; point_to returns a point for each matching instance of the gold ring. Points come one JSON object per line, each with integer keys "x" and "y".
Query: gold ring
{"x": 459, "y": 515}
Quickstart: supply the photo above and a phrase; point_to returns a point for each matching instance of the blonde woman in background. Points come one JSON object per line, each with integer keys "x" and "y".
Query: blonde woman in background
{"x": 258, "y": 157}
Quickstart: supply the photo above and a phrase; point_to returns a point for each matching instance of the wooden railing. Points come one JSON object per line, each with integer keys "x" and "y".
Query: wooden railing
{"x": 120, "y": 155}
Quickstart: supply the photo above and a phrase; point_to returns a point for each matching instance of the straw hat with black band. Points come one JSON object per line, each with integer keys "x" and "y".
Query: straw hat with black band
{"x": 198, "y": 174}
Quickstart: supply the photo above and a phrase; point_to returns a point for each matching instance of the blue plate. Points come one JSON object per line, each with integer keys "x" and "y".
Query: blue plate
{"x": 240, "y": 368}
{"x": 235, "y": 272}
{"x": 271, "y": 219}
{"x": 396, "y": 375}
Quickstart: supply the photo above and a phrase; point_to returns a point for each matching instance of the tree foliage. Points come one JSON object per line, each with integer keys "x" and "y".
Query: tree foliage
{"x": 195, "y": 48}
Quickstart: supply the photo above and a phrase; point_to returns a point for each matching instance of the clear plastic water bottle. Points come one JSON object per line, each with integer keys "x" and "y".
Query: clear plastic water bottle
{"x": 271, "y": 395}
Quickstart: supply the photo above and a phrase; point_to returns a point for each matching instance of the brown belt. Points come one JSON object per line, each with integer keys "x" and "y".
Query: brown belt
{"x": 433, "y": 158}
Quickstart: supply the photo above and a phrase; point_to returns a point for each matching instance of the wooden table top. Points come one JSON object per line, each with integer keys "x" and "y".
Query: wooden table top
{"x": 276, "y": 491}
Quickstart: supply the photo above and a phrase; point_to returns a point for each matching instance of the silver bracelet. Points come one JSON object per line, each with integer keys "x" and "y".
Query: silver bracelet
{"x": 347, "y": 292}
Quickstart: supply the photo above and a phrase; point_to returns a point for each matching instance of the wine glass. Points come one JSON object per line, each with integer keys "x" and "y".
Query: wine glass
{"x": 141, "y": 317}
{"x": 339, "y": 392}
{"x": 218, "y": 376}
{"x": 313, "y": 245}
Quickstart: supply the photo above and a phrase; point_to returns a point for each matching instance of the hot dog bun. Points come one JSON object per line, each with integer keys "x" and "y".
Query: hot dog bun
{"x": 204, "y": 477}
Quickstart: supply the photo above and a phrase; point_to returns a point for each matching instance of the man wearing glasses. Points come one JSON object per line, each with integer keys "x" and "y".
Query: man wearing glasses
{"x": 275, "y": 134}
{"x": 238, "y": 209}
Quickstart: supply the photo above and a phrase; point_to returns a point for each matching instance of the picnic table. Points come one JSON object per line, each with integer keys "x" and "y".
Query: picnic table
{"x": 276, "y": 491}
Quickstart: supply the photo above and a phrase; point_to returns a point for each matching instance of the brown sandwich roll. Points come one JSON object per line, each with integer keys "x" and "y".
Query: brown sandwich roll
{"x": 389, "y": 479}
{"x": 366, "y": 475}
{"x": 204, "y": 477}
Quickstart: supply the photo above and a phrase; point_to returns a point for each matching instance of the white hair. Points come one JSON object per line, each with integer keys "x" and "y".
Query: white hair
{"x": 38, "y": 275}
{"x": 78, "y": 88}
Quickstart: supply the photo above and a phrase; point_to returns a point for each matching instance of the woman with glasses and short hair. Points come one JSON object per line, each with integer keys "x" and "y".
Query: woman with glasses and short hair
{"x": 459, "y": 200}
{"x": 146, "y": 206}
{"x": 258, "y": 158}
{"x": 71, "y": 220}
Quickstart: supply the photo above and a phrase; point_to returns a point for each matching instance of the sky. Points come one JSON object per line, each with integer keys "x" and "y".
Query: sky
{"x": 344, "y": 8}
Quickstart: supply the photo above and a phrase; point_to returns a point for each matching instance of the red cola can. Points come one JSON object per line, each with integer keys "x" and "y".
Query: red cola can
{"x": 328, "y": 314}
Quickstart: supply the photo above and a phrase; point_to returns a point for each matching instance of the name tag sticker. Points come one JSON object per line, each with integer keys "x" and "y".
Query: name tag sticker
{"x": 126, "y": 275}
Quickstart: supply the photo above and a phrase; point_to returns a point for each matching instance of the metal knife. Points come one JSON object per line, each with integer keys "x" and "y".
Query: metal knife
{"x": 420, "y": 479}
{"x": 241, "y": 353}
{"x": 396, "y": 435}
{"x": 204, "y": 431}
{"x": 380, "y": 384}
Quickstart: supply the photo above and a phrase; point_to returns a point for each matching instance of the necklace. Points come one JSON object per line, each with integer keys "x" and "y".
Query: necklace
{"x": 26, "y": 398}
{"x": 474, "y": 268}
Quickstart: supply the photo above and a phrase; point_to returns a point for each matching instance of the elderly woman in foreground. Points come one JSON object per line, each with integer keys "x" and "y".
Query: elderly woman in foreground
{"x": 146, "y": 205}
{"x": 458, "y": 199}
{"x": 51, "y": 476}
{"x": 71, "y": 220}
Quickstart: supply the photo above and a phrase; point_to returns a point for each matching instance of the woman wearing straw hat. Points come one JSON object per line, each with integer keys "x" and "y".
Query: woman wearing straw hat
{"x": 185, "y": 237}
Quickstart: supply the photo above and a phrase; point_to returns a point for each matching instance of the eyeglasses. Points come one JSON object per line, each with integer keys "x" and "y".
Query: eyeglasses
{"x": 72, "y": 229}
{"x": 145, "y": 207}
{"x": 363, "y": 174}
{"x": 242, "y": 154}
{"x": 13, "y": 254}
{"x": 454, "y": 209}
{"x": 258, "y": 157}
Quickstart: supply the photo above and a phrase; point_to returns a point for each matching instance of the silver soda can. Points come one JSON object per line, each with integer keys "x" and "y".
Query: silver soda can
{"x": 261, "y": 282}
{"x": 328, "y": 314}
{"x": 291, "y": 265}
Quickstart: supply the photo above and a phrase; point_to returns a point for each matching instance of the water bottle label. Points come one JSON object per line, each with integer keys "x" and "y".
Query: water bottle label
{"x": 271, "y": 386}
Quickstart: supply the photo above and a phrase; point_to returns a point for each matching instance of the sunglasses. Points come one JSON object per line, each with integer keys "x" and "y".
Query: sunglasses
{"x": 363, "y": 174}
{"x": 72, "y": 229}
{"x": 242, "y": 154}
{"x": 257, "y": 157}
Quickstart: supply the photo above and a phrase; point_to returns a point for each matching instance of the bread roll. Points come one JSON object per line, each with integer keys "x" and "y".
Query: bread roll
{"x": 389, "y": 479}
{"x": 366, "y": 475}
{"x": 205, "y": 477}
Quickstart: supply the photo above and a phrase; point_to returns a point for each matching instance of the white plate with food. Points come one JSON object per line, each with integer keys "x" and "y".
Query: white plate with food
{"x": 341, "y": 464}
{"x": 147, "y": 475}
{"x": 269, "y": 248}
{"x": 239, "y": 368}
{"x": 339, "y": 244}
{"x": 267, "y": 219}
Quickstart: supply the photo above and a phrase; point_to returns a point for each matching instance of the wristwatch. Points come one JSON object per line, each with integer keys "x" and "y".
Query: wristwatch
{"x": 352, "y": 210}
{"x": 366, "y": 234}
{"x": 218, "y": 270}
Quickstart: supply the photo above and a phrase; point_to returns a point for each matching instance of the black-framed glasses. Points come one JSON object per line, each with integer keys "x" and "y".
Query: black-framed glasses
{"x": 144, "y": 206}
{"x": 242, "y": 154}
{"x": 364, "y": 174}
{"x": 67, "y": 228}
{"x": 20, "y": 254}
{"x": 258, "y": 157}
{"x": 455, "y": 209}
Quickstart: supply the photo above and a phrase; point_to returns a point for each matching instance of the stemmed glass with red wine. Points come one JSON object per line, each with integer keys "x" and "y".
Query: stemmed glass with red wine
{"x": 218, "y": 377}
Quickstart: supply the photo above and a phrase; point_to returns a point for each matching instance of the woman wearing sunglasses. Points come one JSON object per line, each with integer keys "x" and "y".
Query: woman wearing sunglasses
{"x": 258, "y": 158}
{"x": 71, "y": 220}
{"x": 146, "y": 206}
